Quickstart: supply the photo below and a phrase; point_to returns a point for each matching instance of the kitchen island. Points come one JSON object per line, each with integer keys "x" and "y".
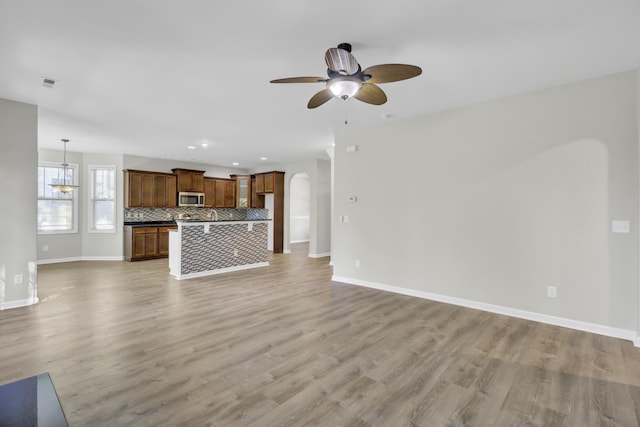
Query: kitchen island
{"x": 203, "y": 248}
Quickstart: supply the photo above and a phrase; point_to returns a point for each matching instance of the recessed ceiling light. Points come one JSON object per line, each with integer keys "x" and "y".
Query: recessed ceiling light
{"x": 204, "y": 145}
{"x": 235, "y": 163}
{"x": 263, "y": 158}
{"x": 191, "y": 147}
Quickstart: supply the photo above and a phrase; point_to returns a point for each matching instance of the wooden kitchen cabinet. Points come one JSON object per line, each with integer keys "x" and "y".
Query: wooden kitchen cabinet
{"x": 209, "y": 192}
{"x": 243, "y": 191}
{"x": 163, "y": 240}
{"x": 265, "y": 182}
{"x": 142, "y": 243}
{"x": 225, "y": 193}
{"x": 258, "y": 186}
{"x": 149, "y": 189}
{"x": 140, "y": 189}
{"x": 166, "y": 191}
{"x": 230, "y": 194}
{"x": 189, "y": 180}
{"x": 276, "y": 185}
{"x": 220, "y": 188}
{"x": 257, "y": 200}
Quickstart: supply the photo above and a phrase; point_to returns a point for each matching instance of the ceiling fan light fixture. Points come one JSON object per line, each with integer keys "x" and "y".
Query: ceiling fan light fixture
{"x": 344, "y": 87}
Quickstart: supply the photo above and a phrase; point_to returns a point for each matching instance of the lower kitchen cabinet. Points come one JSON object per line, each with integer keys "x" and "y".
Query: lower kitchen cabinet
{"x": 146, "y": 242}
{"x": 163, "y": 240}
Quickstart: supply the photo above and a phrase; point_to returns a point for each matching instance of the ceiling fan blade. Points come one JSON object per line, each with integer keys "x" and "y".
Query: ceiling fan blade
{"x": 387, "y": 73}
{"x": 341, "y": 61}
{"x": 320, "y": 98}
{"x": 300, "y": 80}
{"x": 371, "y": 94}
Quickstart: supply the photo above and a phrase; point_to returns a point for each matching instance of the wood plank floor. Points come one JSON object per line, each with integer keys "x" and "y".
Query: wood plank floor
{"x": 127, "y": 345}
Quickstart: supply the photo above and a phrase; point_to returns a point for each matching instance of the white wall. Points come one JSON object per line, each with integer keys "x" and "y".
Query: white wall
{"x": 637, "y": 229}
{"x": 300, "y": 208}
{"x": 323, "y": 208}
{"x": 319, "y": 172}
{"x": 18, "y": 171}
{"x": 165, "y": 165}
{"x": 490, "y": 204}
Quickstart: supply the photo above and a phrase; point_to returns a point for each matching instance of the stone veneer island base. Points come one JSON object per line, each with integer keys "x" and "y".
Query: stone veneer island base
{"x": 199, "y": 249}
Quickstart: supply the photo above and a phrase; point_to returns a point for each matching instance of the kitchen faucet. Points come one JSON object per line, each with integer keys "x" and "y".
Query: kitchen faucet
{"x": 214, "y": 215}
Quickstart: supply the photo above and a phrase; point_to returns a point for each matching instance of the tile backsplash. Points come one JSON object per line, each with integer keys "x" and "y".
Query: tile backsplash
{"x": 168, "y": 214}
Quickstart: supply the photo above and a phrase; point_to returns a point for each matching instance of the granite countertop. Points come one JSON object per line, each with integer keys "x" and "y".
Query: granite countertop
{"x": 183, "y": 221}
{"x": 149, "y": 223}
{"x": 192, "y": 221}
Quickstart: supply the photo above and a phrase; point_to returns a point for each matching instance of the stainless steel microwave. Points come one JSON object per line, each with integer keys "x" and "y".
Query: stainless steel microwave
{"x": 191, "y": 199}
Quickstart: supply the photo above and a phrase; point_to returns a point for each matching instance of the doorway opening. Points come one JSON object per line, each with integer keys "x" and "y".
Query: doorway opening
{"x": 300, "y": 209}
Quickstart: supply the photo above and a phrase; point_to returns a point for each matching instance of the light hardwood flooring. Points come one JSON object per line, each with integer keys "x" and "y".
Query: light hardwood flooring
{"x": 127, "y": 345}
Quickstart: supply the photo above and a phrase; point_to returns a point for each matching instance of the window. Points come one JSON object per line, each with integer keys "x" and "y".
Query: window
{"x": 102, "y": 205}
{"x": 57, "y": 212}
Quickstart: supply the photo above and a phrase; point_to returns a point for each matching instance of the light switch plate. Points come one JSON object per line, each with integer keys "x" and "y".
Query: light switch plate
{"x": 619, "y": 226}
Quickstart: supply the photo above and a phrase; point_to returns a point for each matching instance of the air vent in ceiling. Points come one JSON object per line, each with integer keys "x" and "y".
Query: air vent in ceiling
{"x": 47, "y": 82}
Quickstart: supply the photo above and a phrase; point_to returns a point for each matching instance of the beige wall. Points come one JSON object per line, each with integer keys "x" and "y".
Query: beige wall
{"x": 18, "y": 173}
{"x": 492, "y": 203}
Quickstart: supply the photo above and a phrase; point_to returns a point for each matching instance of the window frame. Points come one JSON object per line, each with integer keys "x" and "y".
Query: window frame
{"x": 75, "y": 196}
{"x": 91, "y": 200}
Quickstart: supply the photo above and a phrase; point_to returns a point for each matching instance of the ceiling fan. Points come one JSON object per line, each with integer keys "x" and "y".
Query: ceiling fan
{"x": 347, "y": 79}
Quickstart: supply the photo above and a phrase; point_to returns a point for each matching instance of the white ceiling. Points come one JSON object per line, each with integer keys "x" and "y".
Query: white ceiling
{"x": 152, "y": 77}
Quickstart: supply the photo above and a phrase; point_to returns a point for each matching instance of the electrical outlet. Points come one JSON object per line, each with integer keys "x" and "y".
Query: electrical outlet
{"x": 357, "y": 263}
{"x": 551, "y": 291}
{"x": 45, "y": 248}
{"x": 18, "y": 279}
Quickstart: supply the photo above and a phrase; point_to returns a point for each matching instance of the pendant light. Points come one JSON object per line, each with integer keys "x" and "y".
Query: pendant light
{"x": 61, "y": 185}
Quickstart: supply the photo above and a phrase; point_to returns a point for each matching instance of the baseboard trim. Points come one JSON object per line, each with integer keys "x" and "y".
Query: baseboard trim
{"x": 18, "y": 303}
{"x": 625, "y": 334}
{"x": 321, "y": 255}
{"x": 219, "y": 271}
{"x": 299, "y": 241}
{"x": 81, "y": 258}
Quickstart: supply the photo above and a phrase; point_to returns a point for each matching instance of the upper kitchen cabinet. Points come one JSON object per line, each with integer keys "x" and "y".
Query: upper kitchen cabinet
{"x": 139, "y": 189}
{"x": 209, "y": 192}
{"x": 144, "y": 189}
{"x": 190, "y": 180}
{"x": 224, "y": 192}
{"x": 257, "y": 200}
{"x": 243, "y": 191}
{"x": 166, "y": 189}
{"x": 230, "y": 194}
{"x": 266, "y": 182}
